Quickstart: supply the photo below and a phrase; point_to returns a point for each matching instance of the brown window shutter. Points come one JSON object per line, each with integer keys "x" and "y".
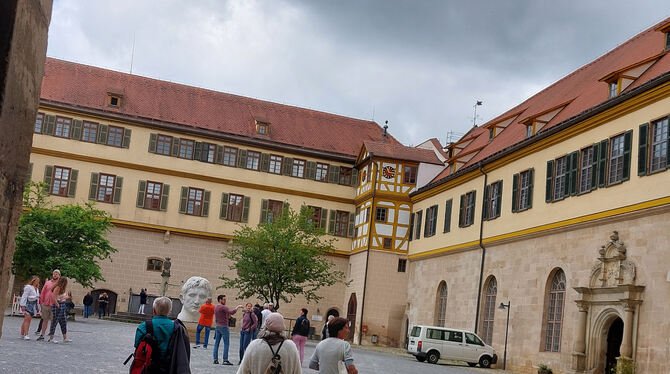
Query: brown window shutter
{"x": 245, "y": 209}
{"x": 334, "y": 174}
{"x": 141, "y": 190}
{"x": 76, "y": 129}
{"x": 126, "y": 138}
{"x": 49, "y": 124}
{"x": 183, "y": 200}
{"x": 93, "y": 188}
{"x": 102, "y": 134}
{"x": 72, "y": 183}
{"x": 48, "y": 177}
{"x": 153, "y": 142}
{"x": 205, "y": 203}
{"x": 164, "y": 197}
{"x": 352, "y": 221}
{"x": 288, "y": 165}
{"x": 118, "y": 186}
{"x": 242, "y": 158}
{"x": 265, "y": 162}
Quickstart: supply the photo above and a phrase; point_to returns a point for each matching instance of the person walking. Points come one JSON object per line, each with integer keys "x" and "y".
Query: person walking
{"x": 46, "y": 303}
{"x": 103, "y": 300}
{"x": 143, "y": 300}
{"x": 59, "y": 310}
{"x": 205, "y": 322}
{"x": 249, "y": 323}
{"x": 28, "y": 305}
{"x": 300, "y": 332}
{"x": 332, "y": 353}
{"x": 88, "y": 301}
{"x": 271, "y": 340}
{"x": 222, "y": 314}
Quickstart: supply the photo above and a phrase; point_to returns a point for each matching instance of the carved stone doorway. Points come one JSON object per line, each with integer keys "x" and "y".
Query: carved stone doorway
{"x": 614, "y": 338}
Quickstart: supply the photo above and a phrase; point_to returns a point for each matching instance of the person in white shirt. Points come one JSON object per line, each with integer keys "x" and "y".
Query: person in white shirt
{"x": 259, "y": 353}
{"x": 28, "y": 305}
{"x": 267, "y": 309}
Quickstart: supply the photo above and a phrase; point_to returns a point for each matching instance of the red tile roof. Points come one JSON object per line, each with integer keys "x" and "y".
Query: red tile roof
{"x": 87, "y": 86}
{"x": 401, "y": 152}
{"x": 581, "y": 89}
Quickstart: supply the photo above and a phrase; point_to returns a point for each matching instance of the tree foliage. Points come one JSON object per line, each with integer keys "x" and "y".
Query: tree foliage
{"x": 279, "y": 260}
{"x": 66, "y": 237}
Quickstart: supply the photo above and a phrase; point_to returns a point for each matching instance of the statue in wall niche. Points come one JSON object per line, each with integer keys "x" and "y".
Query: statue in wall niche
{"x": 166, "y": 267}
{"x": 194, "y": 293}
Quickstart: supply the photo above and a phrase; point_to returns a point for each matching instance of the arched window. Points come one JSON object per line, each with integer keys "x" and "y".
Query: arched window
{"x": 489, "y": 310}
{"x": 552, "y": 342}
{"x": 441, "y": 310}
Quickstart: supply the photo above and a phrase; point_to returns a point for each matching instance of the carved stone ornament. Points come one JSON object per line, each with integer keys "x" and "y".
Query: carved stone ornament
{"x": 612, "y": 269}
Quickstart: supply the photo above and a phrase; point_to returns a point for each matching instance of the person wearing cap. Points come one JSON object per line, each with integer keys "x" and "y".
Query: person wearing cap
{"x": 258, "y": 354}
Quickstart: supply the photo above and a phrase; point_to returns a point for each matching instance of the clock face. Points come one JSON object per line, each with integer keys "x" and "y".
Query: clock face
{"x": 388, "y": 172}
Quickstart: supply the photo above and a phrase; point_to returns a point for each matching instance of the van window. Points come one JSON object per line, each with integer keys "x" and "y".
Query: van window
{"x": 434, "y": 334}
{"x": 472, "y": 339}
{"x": 416, "y": 331}
{"x": 455, "y": 336}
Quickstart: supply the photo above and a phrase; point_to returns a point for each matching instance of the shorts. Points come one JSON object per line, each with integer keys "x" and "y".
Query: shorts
{"x": 31, "y": 308}
{"x": 46, "y": 313}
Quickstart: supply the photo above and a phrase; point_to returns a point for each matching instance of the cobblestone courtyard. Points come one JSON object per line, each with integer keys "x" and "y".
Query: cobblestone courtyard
{"x": 101, "y": 346}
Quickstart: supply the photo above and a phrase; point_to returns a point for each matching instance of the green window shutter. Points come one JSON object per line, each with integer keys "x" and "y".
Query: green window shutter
{"x": 174, "y": 149}
{"x": 427, "y": 224}
{"x": 72, "y": 184}
{"x": 76, "y": 129}
{"x": 411, "y": 227}
{"x": 574, "y": 169}
{"x": 333, "y": 174}
{"x": 197, "y": 152}
{"x": 205, "y": 203}
{"x": 435, "y": 212}
{"x": 48, "y": 176}
{"x": 265, "y": 162}
{"x": 242, "y": 158}
{"x": 472, "y": 206}
{"x": 49, "y": 124}
{"x": 642, "y": 153}
{"x": 164, "y": 197}
{"x": 499, "y": 199}
{"x": 594, "y": 167}
{"x": 531, "y": 181}
{"x": 550, "y": 181}
{"x": 354, "y": 177}
{"x": 183, "y": 200}
{"x": 324, "y": 218}
{"x": 223, "y": 213}
{"x": 331, "y": 221}
{"x": 141, "y": 190}
{"x": 515, "y": 193}
{"x": 417, "y": 226}
{"x": 627, "y": 145}
{"x": 102, "y": 134}
{"x": 485, "y": 202}
{"x": 153, "y": 142}
{"x": 602, "y": 163}
{"x": 310, "y": 170}
{"x": 352, "y": 222}
{"x": 126, "y": 138}
{"x": 218, "y": 156}
{"x": 460, "y": 213}
{"x": 287, "y": 166}
{"x": 93, "y": 189}
{"x": 118, "y": 186}
{"x": 447, "y": 215}
{"x": 264, "y": 210}
{"x": 245, "y": 209}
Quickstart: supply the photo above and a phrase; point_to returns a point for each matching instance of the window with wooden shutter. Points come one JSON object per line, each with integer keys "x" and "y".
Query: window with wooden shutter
{"x": 223, "y": 212}
{"x": 287, "y": 166}
{"x": 310, "y": 170}
{"x": 275, "y": 208}
{"x": 186, "y": 149}
{"x": 105, "y": 187}
{"x": 115, "y": 136}
{"x": 245, "y": 209}
{"x": 333, "y": 174}
{"x": 341, "y": 223}
{"x": 102, "y": 134}
{"x": 89, "y": 132}
{"x": 265, "y": 162}
{"x": 447, "y": 215}
{"x": 586, "y": 169}
{"x": 126, "y": 138}
{"x": 141, "y": 191}
{"x": 275, "y": 166}
{"x": 253, "y": 160}
{"x": 76, "y": 129}
{"x": 208, "y": 153}
{"x": 321, "y": 172}
{"x": 331, "y": 222}
{"x": 298, "y": 168}
{"x": 39, "y": 123}
{"x": 195, "y": 198}
{"x": 164, "y": 197}
{"x": 164, "y": 144}
{"x": 93, "y": 188}
{"x": 118, "y": 187}
{"x": 560, "y": 178}
{"x": 50, "y": 125}
{"x": 431, "y": 221}
{"x": 417, "y": 224}
{"x": 316, "y": 215}
{"x": 63, "y": 127}
{"x": 524, "y": 190}
{"x": 467, "y": 211}
{"x": 615, "y": 162}
{"x": 492, "y": 200}
{"x": 345, "y": 176}
{"x": 230, "y": 156}
{"x": 60, "y": 178}
{"x": 264, "y": 210}
{"x": 174, "y": 147}
{"x": 152, "y": 197}
{"x": 242, "y": 158}
{"x": 219, "y": 154}
{"x": 351, "y": 225}
{"x": 410, "y": 232}
{"x": 235, "y": 207}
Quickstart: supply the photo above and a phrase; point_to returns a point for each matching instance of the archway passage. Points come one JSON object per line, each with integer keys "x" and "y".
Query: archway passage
{"x": 332, "y": 312}
{"x": 351, "y": 315}
{"x": 111, "y": 306}
{"x": 614, "y": 338}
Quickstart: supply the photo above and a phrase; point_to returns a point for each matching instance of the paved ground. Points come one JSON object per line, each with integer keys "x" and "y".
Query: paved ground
{"x": 101, "y": 347}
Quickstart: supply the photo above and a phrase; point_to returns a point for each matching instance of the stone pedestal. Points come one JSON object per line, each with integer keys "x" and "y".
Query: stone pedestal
{"x": 190, "y": 327}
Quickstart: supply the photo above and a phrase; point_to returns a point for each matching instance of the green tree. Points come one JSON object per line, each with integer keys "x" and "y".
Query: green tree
{"x": 66, "y": 237}
{"x": 282, "y": 259}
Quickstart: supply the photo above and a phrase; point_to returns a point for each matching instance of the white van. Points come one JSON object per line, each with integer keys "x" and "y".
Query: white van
{"x": 433, "y": 343}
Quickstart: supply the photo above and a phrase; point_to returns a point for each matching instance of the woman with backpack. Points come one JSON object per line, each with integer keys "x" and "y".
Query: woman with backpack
{"x": 272, "y": 352}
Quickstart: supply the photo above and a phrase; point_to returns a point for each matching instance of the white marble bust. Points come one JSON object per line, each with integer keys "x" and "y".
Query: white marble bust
{"x": 194, "y": 293}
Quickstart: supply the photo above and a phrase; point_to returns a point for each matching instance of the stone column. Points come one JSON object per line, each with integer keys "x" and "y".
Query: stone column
{"x": 579, "y": 349}
{"x": 627, "y": 342}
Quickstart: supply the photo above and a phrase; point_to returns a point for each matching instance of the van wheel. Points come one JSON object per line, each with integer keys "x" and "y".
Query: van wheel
{"x": 472, "y": 364}
{"x": 433, "y": 357}
{"x": 485, "y": 362}
{"x": 420, "y": 358}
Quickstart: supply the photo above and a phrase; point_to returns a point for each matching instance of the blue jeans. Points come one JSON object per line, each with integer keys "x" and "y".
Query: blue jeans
{"x": 222, "y": 332}
{"x": 87, "y": 311}
{"x": 254, "y": 334}
{"x": 245, "y": 339}
{"x": 197, "y": 335}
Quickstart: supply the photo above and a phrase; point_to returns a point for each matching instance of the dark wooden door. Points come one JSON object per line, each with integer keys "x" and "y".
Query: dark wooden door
{"x": 111, "y": 305}
{"x": 351, "y": 315}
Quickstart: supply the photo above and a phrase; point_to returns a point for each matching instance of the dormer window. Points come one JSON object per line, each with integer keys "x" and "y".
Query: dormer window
{"x": 530, "y": 129}
{"x": 613, "y": 89}
{"x": 492, "y": 133}
{"x": 114, "y": 101}
{"x": 667, "y": 41}
{"x": 262, "y": 128}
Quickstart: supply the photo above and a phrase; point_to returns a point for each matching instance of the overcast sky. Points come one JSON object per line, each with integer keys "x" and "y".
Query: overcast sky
{"x": 420, "y": 65}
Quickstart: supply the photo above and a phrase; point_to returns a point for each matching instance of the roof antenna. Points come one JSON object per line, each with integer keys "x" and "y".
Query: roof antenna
{"x": 132, "y": 55}
{"x": 386, "y": 126}
{"x": 474, "y": 118}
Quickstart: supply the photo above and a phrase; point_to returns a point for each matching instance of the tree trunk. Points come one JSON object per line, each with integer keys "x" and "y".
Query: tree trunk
{"x": 23, "y": 41}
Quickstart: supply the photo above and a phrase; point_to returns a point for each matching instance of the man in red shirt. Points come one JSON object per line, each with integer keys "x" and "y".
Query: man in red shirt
{"x": 222, "y": 313}
{"x": 46, "y": 302}
{"x": 205, "y": 321}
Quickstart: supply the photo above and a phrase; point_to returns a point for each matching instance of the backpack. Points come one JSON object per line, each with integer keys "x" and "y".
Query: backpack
{"x": 274, "y": 367}
{"x": 146, "y": 355}
{"x": 304, "y": 327}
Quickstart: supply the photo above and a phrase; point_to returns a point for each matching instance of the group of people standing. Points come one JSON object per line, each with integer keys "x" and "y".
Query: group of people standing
{"x": 53, "y": 303}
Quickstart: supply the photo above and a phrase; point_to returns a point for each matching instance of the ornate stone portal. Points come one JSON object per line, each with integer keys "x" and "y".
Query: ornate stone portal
{"x": 611, "y": 294}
